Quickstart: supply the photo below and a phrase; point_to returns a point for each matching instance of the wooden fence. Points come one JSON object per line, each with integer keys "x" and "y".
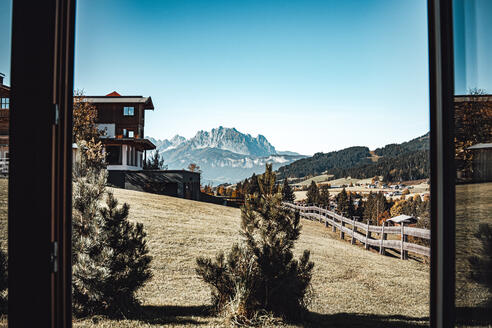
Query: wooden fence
{"x": 364, "y": 232}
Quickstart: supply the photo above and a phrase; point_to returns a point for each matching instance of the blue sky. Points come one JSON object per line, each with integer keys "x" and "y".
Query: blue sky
{"x": 309, "y": 75}
{"x": 473, "y": 45}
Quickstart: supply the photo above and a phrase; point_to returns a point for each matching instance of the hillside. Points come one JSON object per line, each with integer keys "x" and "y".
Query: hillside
{"x": 353, "y": 287}
{"x": 395, "y": 162}
{"x": 325, "y": 162}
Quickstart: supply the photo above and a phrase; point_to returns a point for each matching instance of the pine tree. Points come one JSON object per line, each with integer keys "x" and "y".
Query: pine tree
{"x": 260, "y": 273}
{"x": 481, "y": 265}
{"x": 156, "y": 162}
{"x": 129, "y": 261}
{"x": 343, "y": 206}
{"x": 324, "y": 197}
{"x": 287, "y": 192}
{"x": 90, "y": 269}
{"x": 253, "y": 185}
{"x": 96, "y": 257}
{"x": 312, "y": 194}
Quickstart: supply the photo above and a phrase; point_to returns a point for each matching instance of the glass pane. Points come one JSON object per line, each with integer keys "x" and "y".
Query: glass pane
{"x": 5, "y": 47}
{"x": 332, "y": 94}
{"x": 473, "y": 153}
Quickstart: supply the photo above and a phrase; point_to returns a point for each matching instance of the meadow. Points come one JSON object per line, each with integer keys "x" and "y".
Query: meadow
{"x": 352, "y": 287}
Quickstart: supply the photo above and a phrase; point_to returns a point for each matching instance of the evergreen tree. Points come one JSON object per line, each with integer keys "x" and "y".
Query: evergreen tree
{"x": 343, "y": 202}
{"x": 324, "y": 197}
{"x": 312, "y": 194}
{"x": 481, "y": 265}
{"x": 287, "y": 192}
{"x": 90, "y": 256}
{"x": 155, "y": 162}
{"x": 96, "y": 258}
{"x": 253, "y": 186}
{"x": 129, "y": 262}
{"x": 260, "y": 274}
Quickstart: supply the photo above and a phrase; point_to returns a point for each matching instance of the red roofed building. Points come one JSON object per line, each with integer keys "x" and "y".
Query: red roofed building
{"x": 123, "y": 120}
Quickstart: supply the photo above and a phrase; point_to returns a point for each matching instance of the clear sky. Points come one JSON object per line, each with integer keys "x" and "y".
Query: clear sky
{"x": 309, "y": 75}
{"x": 473, "y": 45}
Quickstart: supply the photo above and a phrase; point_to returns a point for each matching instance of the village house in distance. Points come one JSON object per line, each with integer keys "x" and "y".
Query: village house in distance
{"x": 122, "y": 118}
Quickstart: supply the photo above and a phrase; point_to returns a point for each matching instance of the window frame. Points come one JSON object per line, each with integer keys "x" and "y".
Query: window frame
{"x": 39, "y": 235}
{"x": 441, "y": 95}
{"x": 126, "y": 111}
{"x": 47, "y": 294}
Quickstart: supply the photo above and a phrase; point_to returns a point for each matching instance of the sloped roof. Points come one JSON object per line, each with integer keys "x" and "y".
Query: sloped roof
{"x": 402, "y": 218}
{"x": 113, "y": 94}
{"x": 481, "y": 146}
{"x": 120, "y": 100}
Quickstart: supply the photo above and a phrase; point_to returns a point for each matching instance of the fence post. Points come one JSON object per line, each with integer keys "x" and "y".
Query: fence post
{"x": 403, "y": 253}
{"x": 326, "y": 220}
{"x": 342, "y": 234}
{"x": 333, "y": 228}
{"x": 383, "y": 238}
{"x": 353, "y": 232}
{"x": 368, "y": 234}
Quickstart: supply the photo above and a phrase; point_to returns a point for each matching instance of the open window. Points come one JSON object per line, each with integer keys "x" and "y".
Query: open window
{"x": 40, "y": 150}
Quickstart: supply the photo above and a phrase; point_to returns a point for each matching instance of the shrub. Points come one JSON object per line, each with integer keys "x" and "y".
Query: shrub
{"x": 109, "y": 253}
{"x": 260, "y": 274}
{"x": 129, "y": 262}
{"x": 481, "y": 266}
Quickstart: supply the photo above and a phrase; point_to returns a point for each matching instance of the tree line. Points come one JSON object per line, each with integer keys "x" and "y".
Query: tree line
{"x": 398, "y": 162}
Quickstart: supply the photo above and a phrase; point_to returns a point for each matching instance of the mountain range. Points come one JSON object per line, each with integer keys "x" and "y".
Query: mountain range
{"x": 224, "y": 155}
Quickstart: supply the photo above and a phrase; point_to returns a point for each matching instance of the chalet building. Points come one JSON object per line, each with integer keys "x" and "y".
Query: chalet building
{"x": 4, "y": 126}
{"x": 122, "y": 119}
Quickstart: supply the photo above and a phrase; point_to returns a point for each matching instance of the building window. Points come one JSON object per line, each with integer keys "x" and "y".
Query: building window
{"x": 4, "y": 103}
{"x": 131, "y": 134}
{"x": 113, "y": 155}
{"x": 125, "y": 133}
{"x": 128, "y": 111}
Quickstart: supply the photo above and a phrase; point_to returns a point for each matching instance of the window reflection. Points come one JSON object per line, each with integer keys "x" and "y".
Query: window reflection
{"x": 473, "y": 159}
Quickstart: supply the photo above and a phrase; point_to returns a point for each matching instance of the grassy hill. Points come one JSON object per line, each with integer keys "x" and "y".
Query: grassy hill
{"x": 353, "y": 287}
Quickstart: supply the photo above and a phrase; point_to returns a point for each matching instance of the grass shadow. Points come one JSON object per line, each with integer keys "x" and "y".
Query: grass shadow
{"x": 474, "y": 316}
{"x": 364, "y": 320}
{"x": 168, "y": 314}
{"x": 163, "y": 315}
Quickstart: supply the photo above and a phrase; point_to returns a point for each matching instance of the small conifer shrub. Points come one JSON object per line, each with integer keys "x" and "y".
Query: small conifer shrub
{"x": 481, "y": 266}
{"x": 260, "y": 274}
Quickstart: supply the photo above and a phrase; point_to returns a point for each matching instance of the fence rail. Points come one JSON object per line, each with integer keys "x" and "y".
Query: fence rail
{"x": 337, "y": 221}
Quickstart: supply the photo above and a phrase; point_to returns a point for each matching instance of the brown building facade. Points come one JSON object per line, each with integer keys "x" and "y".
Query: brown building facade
{"x": 122, "y": 118}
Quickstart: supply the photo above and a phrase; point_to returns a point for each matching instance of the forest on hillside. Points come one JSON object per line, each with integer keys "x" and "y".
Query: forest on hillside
{"x": 321, "y": 162}
{"x": 396, "y": 162}
{"x": 407, "y": 166}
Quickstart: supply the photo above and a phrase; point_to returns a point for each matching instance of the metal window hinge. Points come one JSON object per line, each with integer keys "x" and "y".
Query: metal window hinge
{"x": 54, "y": 256}
{"x": 57, "y": 114}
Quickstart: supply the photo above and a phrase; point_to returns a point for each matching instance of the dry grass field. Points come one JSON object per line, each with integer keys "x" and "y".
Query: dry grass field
{"x": 353, "y": 287}
{"x": 473, "y": 206}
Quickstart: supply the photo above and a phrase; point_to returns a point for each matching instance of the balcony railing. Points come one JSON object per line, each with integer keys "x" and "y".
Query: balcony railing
{"x": 4, "y": 166}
